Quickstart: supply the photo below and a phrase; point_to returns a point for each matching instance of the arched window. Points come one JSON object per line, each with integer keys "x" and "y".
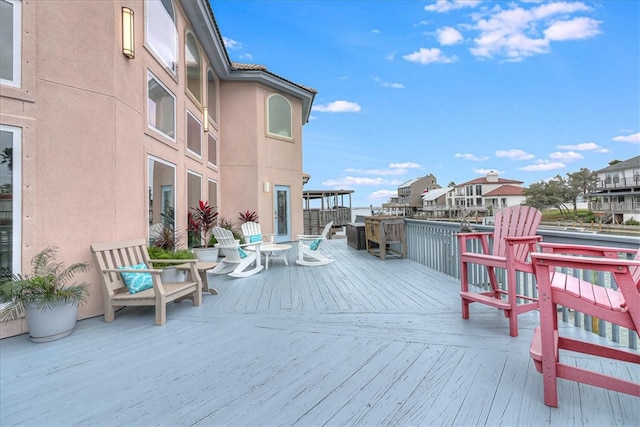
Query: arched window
{"x": 193, "y": 66}
{"x": 279, "y": 116}
{"x": 161, "y": 33}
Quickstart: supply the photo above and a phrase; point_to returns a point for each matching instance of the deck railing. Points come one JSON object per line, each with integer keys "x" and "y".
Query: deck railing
{"x": 433, "y": 243}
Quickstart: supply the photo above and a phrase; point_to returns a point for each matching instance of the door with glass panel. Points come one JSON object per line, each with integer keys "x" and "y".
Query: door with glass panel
{"x": 282, "y": 214}
{"x": 10, "y": 200}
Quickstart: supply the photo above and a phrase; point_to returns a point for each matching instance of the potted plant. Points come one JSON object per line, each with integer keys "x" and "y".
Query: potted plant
{"x": 169, "y": 271}
{"x": 248, "y": 216}
{"x": 202, "y": 219}
{"x": 46, "y": 297}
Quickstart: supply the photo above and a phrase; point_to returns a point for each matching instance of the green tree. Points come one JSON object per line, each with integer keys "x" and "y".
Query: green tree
{"x": 548, "y": 194}
{"x": 580, "y": 183}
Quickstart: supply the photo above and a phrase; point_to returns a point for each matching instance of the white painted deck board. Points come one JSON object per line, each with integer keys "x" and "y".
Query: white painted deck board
{"x": 357, "y": 342}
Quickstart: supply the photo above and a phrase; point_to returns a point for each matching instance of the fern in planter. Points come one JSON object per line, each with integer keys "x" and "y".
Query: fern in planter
{"x": 48, "y": 286}
{"x": 157, "y": 254}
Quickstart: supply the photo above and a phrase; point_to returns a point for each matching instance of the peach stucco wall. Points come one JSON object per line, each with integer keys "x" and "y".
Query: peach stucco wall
{"x": 86, "y": 145}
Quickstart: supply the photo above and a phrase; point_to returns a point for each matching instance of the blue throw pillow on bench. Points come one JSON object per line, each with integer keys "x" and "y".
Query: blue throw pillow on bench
{"x": 137, "y": 282}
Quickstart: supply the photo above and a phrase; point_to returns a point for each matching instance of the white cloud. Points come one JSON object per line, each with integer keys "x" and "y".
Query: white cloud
{"x": 473, "y": 157}
{"x": 231, "y": 44}
{"x": 448, "y": 36}
{"x": 429, "y": 56}
{"x": 246, "y": 56}
{"x": 574, "y": 29}
{"x": 406, "y": 165}
{"x": 514, "y": 154}
{"x": 517, "y": 32}
{"x": 634, "y": 139}
{"x": 567, "y": 156}
{"x": 375, "y": 31}
{"x": 338, "y": 107}
{"x": 383, "y": 195}
{"x": 441, "y": 6}
{"x": 350, "y": 181}
{"x": 481, "y": 171}
{"x": 585, "y": 146}
{"x": 388, "y": 84}
{"x": 543, "y": 165}
{"x": 383, "y": 172}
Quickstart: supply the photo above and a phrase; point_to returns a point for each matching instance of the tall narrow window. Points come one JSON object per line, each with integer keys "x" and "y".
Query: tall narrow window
{"x": 10, "y": 199}
{"x": 212, "y": 150}
{"x": 194, "y": 71}
{"x": 161, "y": 188}
{"x": 194, "y": 134}
{"x": 160, "y": 31}
{"x": 212, "y": 96}
{"x": 279, "y": 116}
{"x": 213, "y": 193}
{"x": 161, "y": 108}
{"x": 10, "y": 42}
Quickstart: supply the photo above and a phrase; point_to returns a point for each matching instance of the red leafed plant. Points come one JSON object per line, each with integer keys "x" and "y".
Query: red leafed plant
{"x": 248, "y": 216}
{"x": 202, "y": 219}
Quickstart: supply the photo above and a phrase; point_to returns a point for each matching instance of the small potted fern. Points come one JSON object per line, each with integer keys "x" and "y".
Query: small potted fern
{"x": 47, "y": 298}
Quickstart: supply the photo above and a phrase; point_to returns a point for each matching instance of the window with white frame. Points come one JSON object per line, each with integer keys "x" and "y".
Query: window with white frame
{"x": 212, "y": 150}
{"x": 10, "y": 199}
{"x": 160, "y": 32}
{"x": 161, "y": 107}
{"x": 279, "y": 116}
{"x": 10, "y": 42}
{"x": 194, "y": 68}
{"x": 213, "y": 194}
{"x": 161, "y": 188}
{"x": 194, "y": 134}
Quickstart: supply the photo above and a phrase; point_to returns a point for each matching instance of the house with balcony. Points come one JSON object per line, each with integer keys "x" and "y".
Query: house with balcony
{"x": 616, "y": 198}
{"x": 119, "y": 116}
{"x": 410, "y": 195}
{"x": 483, "y": 196}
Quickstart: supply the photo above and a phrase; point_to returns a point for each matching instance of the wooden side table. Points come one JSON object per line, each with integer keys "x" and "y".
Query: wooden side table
{"x": 202, "y": 267}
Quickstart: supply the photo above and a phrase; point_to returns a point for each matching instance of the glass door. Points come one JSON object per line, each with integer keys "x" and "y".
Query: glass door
{"x": 282, "y": 224}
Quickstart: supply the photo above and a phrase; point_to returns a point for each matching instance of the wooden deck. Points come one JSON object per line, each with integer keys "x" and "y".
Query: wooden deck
{"x": 357, "y": 342}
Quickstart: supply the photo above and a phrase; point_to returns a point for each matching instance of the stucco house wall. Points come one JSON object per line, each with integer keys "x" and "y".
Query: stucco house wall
{"x": 82, "y": 111}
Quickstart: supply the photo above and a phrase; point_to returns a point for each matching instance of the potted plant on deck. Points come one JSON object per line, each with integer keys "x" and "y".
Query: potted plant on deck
{"x": 169, "y": 271}
{"x": 202, "y": 219}
{"x": 46, "y": 297}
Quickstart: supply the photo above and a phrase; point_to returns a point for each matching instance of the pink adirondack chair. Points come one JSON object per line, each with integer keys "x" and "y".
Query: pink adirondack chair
{"x": 621, "y": 306}
{"x": 513, "y": 239}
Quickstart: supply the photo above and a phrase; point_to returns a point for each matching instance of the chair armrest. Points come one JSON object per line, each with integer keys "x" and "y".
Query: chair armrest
{"x": 570, "y": 249}
{"x": 247, "y": 244}
{"x": 523, "y": 240}
{"x": 583, "y": 262}
{"x": 474, "y": 234}
{"x": 308, "y": 236}
{"x": 175, "y": 261}
{"x": 131, "y": 270}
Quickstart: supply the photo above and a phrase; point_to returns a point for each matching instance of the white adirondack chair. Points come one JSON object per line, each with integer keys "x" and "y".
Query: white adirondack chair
{"x": 309, "y": 253}
{"x": 252, "y": 231}
{"x": 236, "y": 261}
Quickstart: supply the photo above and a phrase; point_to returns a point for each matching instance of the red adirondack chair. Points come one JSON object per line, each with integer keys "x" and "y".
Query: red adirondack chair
{"x": 513, "y": 239}
{"x": 621, "y": 306}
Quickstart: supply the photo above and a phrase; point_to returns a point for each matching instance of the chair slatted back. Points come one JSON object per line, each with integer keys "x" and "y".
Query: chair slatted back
{"x": 516, "y": 221}
{"x": 110, "y": 256}
{"x": 227, "y": 243}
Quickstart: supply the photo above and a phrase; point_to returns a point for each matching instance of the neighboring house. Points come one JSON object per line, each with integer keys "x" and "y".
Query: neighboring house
{"x": 435, "y": 202}
{"x": 102, "y": 139}
{"x": 410, "y": 193}
{"x": 483, "y": 196}
{"x": 617, "y": 195}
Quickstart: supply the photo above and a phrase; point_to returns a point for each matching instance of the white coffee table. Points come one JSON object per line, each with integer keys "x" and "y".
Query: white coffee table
{"x": 275, "y": 251}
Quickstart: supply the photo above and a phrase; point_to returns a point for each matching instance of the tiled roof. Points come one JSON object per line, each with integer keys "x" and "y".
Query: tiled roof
{"x": 632, "y": 163}
{"x": 505, "y": 190}
{"x": 484, "y": 180}
{"x": 257, "y": 67}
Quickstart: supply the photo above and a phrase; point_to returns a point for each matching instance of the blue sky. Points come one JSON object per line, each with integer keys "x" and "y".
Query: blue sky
{"x": 530, "y": 89}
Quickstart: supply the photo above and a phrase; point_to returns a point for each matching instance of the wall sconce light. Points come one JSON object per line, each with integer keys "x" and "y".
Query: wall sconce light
{"x": 205, "y": 119}
{"x": 266, "y": 187}
{"x": 128, "y": 41}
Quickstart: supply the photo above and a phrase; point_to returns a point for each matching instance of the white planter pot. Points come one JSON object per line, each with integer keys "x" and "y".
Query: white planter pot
{"x": 209, "y": 254}
{"x": 172, "y": 275}
{"x": 52, "y": 323}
